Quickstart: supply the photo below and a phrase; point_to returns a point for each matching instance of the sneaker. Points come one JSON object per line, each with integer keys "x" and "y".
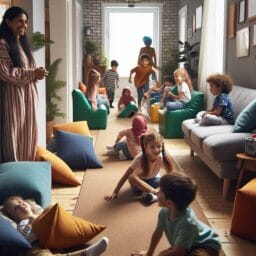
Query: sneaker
{"x": 149, "y": 198}
{"x": 122, "y": 156}
{"x": 162, "y": 111}
{"x": 110, "y": 147}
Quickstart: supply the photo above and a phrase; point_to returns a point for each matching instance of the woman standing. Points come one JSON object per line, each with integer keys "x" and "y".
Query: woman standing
{"x": 18, "y": 91}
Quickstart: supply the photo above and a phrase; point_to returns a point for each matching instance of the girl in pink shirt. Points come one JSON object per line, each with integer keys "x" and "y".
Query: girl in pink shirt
{"x": 143, "y": 172}
{"x": 130, "y": 146}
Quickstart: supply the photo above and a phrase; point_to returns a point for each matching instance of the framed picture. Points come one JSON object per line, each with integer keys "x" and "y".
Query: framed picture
{"x": 251, "y": 9}
{"x": 241, "y": 16}
{"x": 232, "y": 20}
{"x": 199, "y": 14}
{"x": 242, "y": 42}
{"x": 254, "y": 35}
{"x": 4, "y": 5}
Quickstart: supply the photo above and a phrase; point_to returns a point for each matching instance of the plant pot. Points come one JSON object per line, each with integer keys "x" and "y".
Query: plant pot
{"x": 88, "y": 60}
{"x": 49, "y": 130}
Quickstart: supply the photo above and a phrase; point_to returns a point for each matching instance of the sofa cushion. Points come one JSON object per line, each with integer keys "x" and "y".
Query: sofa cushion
{"x": 199, "y": 133}
{"x": 27, "y": 179}
{"x": 187, "y": 126}
{"x": 246, "y": 120}
{"x": 224, "y": 147}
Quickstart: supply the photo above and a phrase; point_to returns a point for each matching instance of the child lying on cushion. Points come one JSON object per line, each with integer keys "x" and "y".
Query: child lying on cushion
{"x": 24, "y": 213}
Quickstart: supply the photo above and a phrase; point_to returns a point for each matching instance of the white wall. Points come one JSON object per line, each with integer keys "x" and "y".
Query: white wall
{"x": 65, "y": 31}
{"x": 35, "y": 9}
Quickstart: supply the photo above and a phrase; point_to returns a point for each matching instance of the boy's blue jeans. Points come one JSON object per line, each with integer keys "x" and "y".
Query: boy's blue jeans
{"x": 140, "y": 91}
{"x": 122, "y": 146}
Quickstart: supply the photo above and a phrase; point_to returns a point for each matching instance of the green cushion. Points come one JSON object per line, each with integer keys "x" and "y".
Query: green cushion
{"x": 246, "y": 120}
{"x": 26, "y": 179}
{"x": 129, "y": 110}
{"x": 170, "y": 122}
{"x": 82, "y": 111}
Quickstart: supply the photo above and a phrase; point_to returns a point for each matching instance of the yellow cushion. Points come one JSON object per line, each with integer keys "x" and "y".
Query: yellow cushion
{"x": 57, "y": 229}
{"x": 80, "y": 127}
{"x": 243, "y": 219}
{"x": 61, "y": 173}
{"x": 154, "y": 115}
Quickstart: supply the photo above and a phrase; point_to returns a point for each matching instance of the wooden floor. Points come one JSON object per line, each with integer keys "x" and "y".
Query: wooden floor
{"x": 210, "y": 199}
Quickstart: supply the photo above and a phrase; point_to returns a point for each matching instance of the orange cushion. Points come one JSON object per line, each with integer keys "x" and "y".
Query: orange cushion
{"x": 102, "y": 90}
{"x": 243, "y": 219}
{"x": 61, "y": 173}
{"x": 79, "y": 127}
{"x": 82, "y": 87}
{"x": 58, "y": 229}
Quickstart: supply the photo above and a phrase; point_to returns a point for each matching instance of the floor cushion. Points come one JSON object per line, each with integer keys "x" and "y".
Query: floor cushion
{"x": 26, "y": 179}
{"x": 129, "y": 110}
{"x": 61, "y": 172}
{"x": 58, "y": 229}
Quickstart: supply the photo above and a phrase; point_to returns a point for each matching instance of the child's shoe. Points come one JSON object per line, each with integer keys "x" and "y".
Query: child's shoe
{"x": 110, "y": 147}
{"x": 121, "y": 156}
{"x": 112, "y": 152}
{"x": 149, "y": 198}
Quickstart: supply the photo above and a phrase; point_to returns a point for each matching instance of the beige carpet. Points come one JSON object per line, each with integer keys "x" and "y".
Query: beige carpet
{"x": 129, "y": 223}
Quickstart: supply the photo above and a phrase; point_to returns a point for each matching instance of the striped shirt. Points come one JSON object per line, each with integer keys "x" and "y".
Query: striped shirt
{"x": 110, "y": 79}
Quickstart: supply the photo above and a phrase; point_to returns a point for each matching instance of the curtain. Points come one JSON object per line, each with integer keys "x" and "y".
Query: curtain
{"x": 211, "y": 58}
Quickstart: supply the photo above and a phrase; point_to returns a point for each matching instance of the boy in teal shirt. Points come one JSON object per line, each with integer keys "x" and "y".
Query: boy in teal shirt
{"x": 187, "y": 235}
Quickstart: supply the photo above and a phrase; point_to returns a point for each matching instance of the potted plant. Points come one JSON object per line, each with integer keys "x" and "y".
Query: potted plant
{"x": 39, "y": 40}
{"x": 52, "y": 86}
{"x": 171, "y": 64}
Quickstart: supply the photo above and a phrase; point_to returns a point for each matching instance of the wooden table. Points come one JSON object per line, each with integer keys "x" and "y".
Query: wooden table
{"x": 244, "y": 163}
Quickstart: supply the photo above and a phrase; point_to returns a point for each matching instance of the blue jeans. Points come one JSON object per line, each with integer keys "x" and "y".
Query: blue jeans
{"x": 177, "y": 104}
{"x": 154, "y": 182}
{"x": 122, "y": 146}
{"x": 141, "y": 91}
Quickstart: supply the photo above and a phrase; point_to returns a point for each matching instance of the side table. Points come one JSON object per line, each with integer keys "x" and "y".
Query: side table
{"x": 244, "y": 163}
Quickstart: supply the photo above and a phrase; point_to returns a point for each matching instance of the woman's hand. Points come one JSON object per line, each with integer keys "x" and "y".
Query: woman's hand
{"x": 41, "y": 73}
{"x": 112, "y": 197}
{"x": 139, "y": 253}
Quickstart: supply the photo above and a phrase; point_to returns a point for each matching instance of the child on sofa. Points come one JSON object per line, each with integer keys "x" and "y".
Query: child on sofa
{"x": 222, "y": 111}
{"x": 125, "y": 99}
{"x": 144, "y": 171}
{"x": 184, "y": 84}
{"x": 92, "y": 94}
{"x": 130, "y": 147}
{"x": 24, "y": 212}
{"x": 185, "y": 233}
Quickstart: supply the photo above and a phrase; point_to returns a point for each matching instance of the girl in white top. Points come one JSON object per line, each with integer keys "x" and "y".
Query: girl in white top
{"x": 184, "y": 83}
{"x": 143, "y": 172}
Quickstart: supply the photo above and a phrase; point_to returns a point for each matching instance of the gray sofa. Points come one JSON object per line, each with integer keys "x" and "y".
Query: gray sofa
{"x": 217, "y": 146}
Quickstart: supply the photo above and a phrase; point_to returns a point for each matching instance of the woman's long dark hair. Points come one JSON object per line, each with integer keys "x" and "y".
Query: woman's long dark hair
{"x": 7, "y": 34}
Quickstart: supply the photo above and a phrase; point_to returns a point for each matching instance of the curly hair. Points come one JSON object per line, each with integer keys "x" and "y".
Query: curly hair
{"x": 222, "y": 81}
{"x": 185, "y": 76}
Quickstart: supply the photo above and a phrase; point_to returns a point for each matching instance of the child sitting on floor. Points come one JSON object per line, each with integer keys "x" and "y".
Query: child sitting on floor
{"x": 24, "y": 213}
{"x": 144, "y": 171}
{"x": 130, "y": 147}
{"x": 125, "y": 99}
{"x": 222, "y": 110}
{"x": 187, "y": 235}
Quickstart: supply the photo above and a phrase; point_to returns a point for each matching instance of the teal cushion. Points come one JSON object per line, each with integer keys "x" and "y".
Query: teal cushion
{"x": 12, "y": 242}
{"x": 246, "y": 120}
{"x": 26, "y": 179}
{"x": 76, "y": 150}
{"x": 129, "y": 110}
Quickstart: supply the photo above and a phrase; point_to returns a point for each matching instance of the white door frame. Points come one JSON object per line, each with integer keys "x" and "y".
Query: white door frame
{"x": 156, "y": 9}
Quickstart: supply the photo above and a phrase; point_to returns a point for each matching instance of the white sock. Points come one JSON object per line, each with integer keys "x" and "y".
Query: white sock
{"x": 98, "y": 248}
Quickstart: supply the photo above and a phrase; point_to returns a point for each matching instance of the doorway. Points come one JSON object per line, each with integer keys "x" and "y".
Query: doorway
{"x": 123, "y": 30}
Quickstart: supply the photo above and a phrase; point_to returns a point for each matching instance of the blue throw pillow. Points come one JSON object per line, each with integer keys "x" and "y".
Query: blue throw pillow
{"x": 11, "y": 239}
{"x": 26, "y": 179}
{"x": 76, "y": 150}
{"x": 246, "y": 120}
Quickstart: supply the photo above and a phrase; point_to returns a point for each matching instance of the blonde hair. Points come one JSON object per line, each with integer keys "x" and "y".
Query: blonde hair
{"x": 94, "y": 77}
{"x": 185, "y": 76}
{"x": 37, "y": 209}
{"x": 144, "y": 141}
